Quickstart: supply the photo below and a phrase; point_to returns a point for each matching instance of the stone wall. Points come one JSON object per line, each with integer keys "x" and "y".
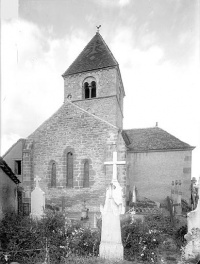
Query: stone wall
{"x": 153, "y": 173}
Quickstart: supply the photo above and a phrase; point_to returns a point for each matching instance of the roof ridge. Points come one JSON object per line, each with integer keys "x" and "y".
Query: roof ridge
{"x": 32, "y": 135}
{"x": 154, "y": 138}
{"x": 76, "y": 57}
{"x": 142, "y": 128}
{"x": 108, "y": 48}
{"x": 21, "y": 139}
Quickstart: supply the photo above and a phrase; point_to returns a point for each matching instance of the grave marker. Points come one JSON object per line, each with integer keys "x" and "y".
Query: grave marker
{"x": 192, "y": 248}
{"x": 111, "y": 242}
{"x": 134, "y": 196}
{"x": 176, "y": 195}
{"x": 37, "y": 201}
{"x": 117, "y": 192}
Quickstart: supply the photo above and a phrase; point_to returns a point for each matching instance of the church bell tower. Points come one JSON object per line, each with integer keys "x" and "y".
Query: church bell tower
{"x": 93, "y": 82}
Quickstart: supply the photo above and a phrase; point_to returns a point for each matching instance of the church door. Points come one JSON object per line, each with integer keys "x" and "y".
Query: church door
{"x": 70, "y": 169}
{"x": 86, "y": 174}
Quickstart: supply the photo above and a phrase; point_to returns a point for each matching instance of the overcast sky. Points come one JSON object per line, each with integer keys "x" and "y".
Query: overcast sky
{"x": 156, "y": 44}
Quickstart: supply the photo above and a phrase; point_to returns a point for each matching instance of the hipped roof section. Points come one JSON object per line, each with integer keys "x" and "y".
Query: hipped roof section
{"x": 152, "y": 139}
{"x": 96, "y": 55}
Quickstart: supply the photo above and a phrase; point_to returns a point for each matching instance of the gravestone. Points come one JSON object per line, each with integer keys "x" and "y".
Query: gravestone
{"x": 193, "y": 217}
{"x": 37, "y": 201}
{"x": 176, "y": 195}
{"x": 117, "y": 191}
{"x": 194, "y": 193}
{"x": 134, "y": 196}
{"x": 111, "y": 243}
{"x": 192, "y": 249}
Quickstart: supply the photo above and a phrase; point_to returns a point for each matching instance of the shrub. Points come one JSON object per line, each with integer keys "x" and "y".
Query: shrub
{"x": 179, "y": 236}
{"x": 161, "y": 223}
{"x": 22, "y": 237}
{"x": 139, "y": 242}
{"x": 83, "y": 242}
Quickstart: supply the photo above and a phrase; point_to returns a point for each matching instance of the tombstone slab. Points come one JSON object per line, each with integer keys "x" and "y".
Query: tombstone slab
{"x": 192, "y": 248}
{"x": 37, "y": 201}
{"x": 193, "y": 217}
{"x": 134, "y": 196}
{"x": 111, "y": 244}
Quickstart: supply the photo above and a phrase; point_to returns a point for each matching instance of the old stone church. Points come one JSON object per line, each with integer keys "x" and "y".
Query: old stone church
{"x": 68, "y": 151}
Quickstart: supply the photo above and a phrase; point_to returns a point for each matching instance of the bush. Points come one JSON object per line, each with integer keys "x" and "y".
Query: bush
{"x": 83, "y": 242}
{"x": 161, "y": 223}
{"x": 26, "y": 239}
{"x": 144, "y": 241}
{"x": 179, "y": 236}
{"x": 139, "y": 242}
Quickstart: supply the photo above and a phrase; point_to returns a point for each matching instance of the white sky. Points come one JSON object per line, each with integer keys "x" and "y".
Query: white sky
{"x": 156, "y": 44}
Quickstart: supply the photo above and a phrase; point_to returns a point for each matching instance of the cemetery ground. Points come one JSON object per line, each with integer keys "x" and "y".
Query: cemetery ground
{"x": 55, "y": 240}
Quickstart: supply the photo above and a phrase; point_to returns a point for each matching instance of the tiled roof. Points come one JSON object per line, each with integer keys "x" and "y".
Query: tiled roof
{"x": 8, "y": 171}
{"x": 96, "y": 55}
{"x": 154, "y": 138}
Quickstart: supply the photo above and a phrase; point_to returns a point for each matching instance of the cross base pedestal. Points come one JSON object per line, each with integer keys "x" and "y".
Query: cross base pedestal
{"x": 113, "y": 251}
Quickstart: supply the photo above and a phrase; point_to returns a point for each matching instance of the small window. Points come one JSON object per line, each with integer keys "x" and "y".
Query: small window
{"x": 70, "y": 169}
{"x": 86, "y": 175}
{"x": 53, "y": 175}
{"x": 18, "y": 167}
{"x": 87, "y": 90}
{"x": 93, "y": 89}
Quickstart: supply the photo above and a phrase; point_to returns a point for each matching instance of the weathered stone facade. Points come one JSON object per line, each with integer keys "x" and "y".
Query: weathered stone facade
{"x": 73, "y": 130}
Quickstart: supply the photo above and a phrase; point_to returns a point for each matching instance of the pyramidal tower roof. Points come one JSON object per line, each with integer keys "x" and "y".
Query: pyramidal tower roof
{"x": 96, "y": 55}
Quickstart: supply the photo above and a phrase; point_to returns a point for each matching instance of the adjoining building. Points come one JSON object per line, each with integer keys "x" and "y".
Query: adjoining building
{"x": 9, "y": 191}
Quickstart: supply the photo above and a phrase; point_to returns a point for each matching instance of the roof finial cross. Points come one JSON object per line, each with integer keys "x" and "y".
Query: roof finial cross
{"x": 98, "y": 27}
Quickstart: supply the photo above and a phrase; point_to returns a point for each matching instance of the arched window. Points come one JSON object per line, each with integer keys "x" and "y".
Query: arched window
{"x": 53, "y": 174}
{"x": 86, "y": 175}
{"x": 93, "y": 89}
{"x": 69, "y": 169}
{"x": 87, "y": 90}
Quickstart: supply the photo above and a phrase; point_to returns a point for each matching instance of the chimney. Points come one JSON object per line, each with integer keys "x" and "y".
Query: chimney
{"x": 156, "y": 124}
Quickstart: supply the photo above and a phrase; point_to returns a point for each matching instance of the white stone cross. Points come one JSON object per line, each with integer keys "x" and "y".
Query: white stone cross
{"x": 114, "y": 163}
{"x": 37, "y": 179}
